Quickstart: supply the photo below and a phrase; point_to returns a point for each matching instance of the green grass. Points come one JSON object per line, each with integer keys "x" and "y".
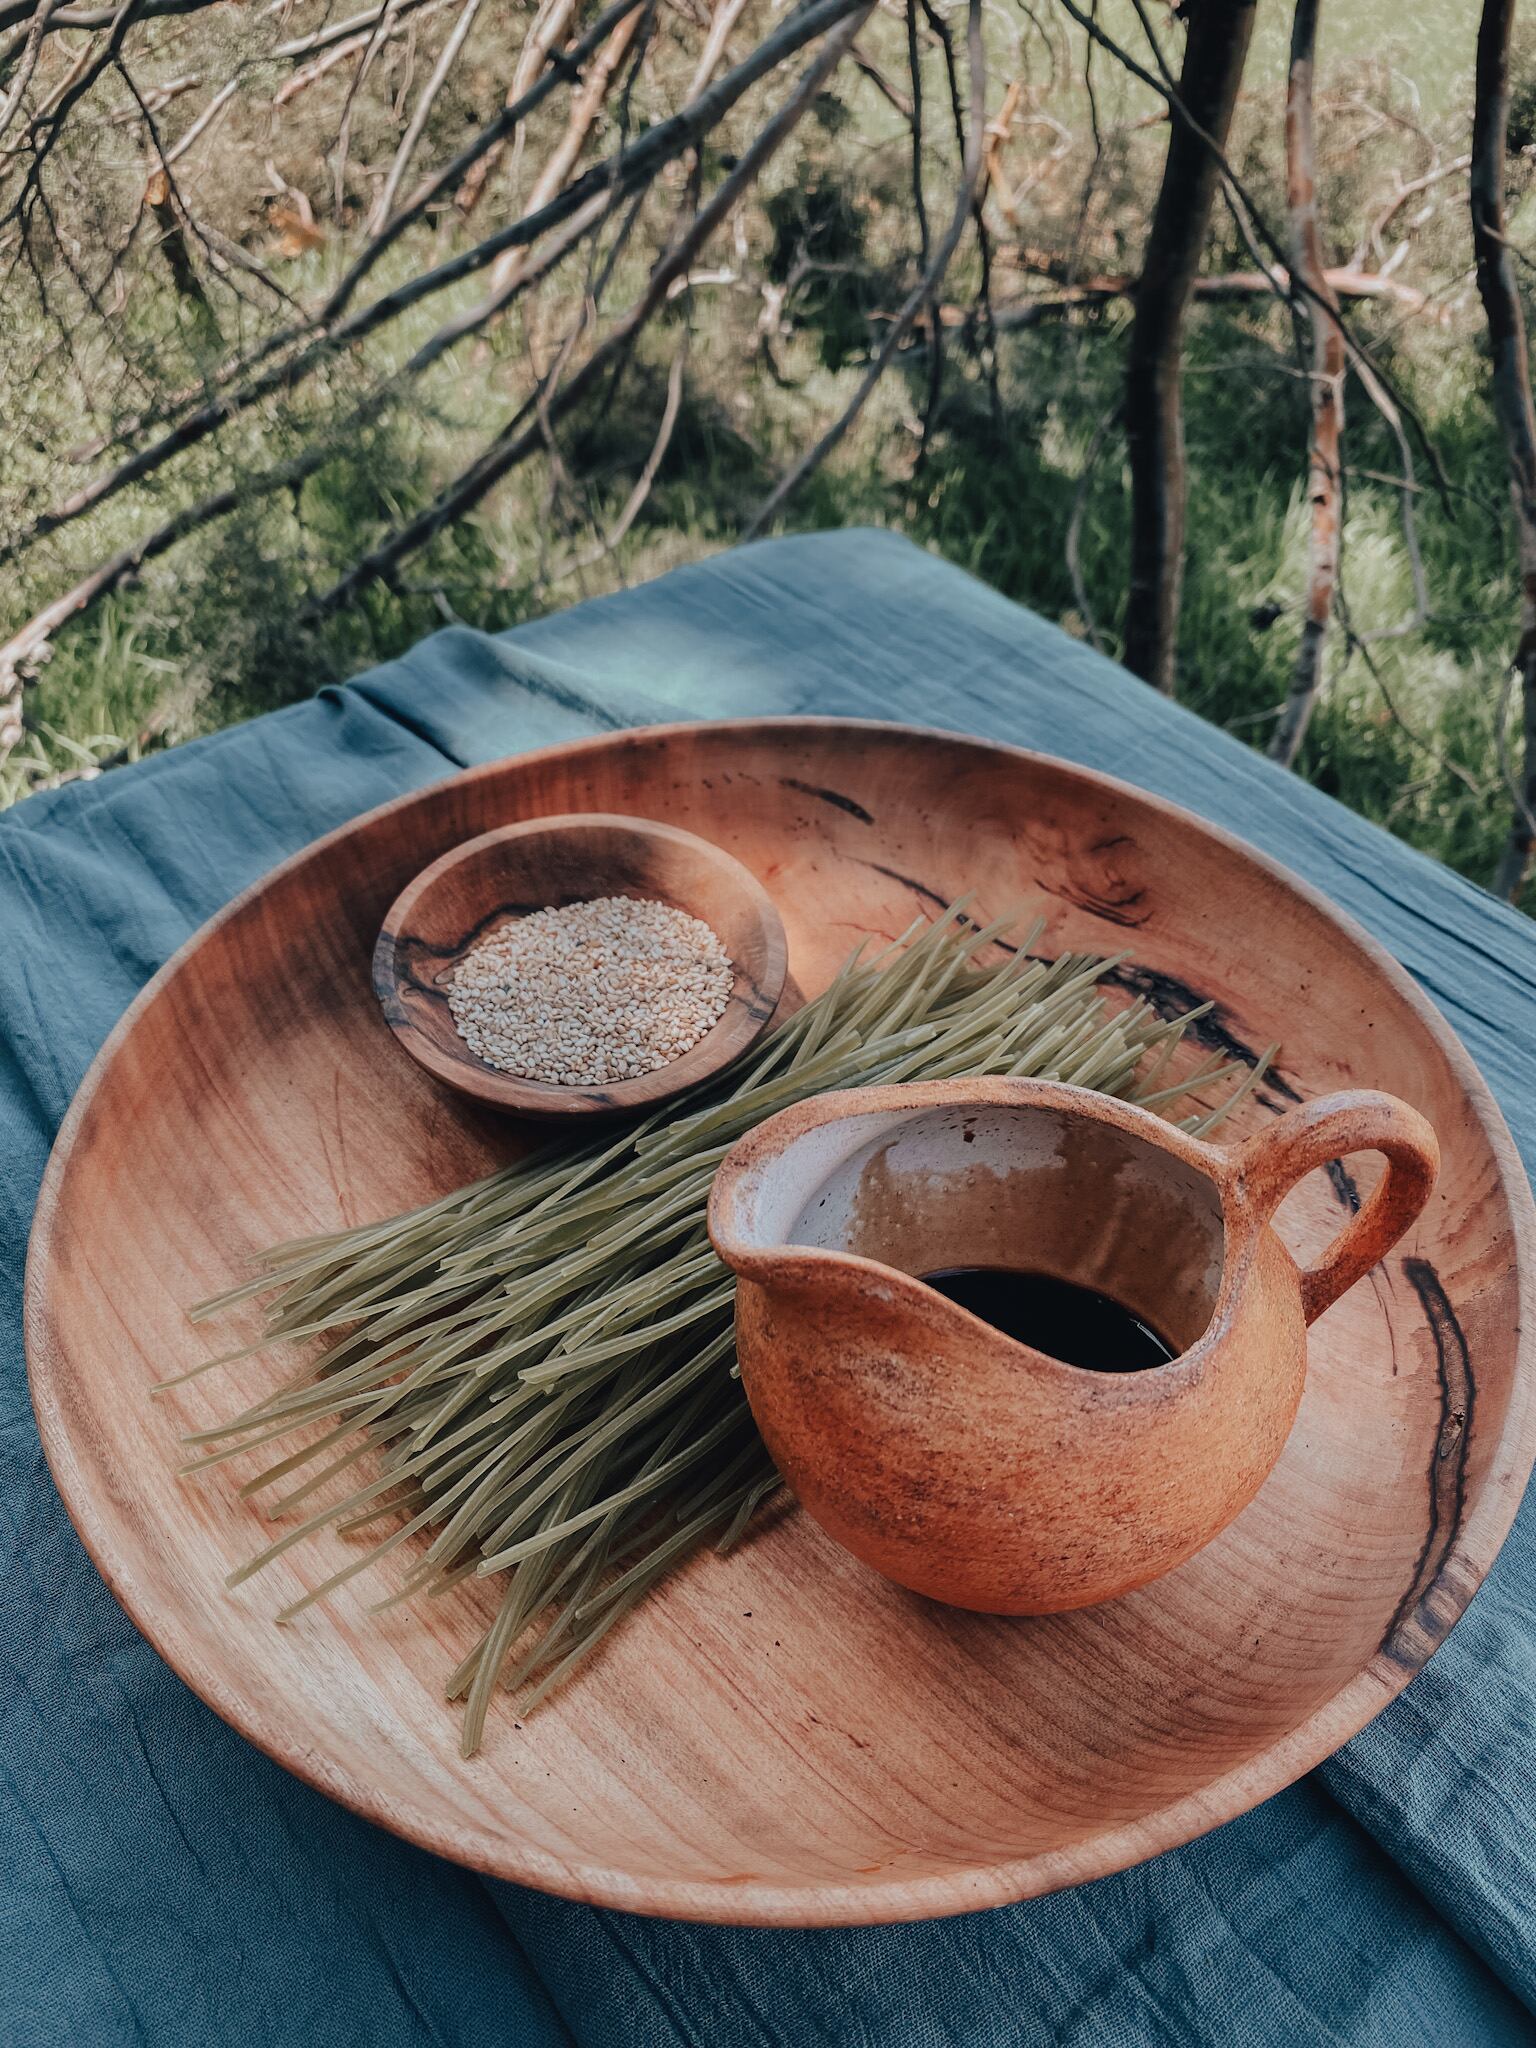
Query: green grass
{"x": 222, "y": 641}
{"x": 1412, "y": 744}
{"x": 1404, "y": 732}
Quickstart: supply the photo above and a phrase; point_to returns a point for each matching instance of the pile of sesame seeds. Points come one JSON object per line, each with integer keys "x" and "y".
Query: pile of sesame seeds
{"x": 592, "y": 992}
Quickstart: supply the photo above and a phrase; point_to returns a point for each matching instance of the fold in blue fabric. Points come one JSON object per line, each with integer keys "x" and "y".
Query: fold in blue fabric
{"x": 162, "y": 1882}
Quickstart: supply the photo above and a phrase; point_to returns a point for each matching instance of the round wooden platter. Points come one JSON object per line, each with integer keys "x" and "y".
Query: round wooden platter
{"x": 778, "y": 1737}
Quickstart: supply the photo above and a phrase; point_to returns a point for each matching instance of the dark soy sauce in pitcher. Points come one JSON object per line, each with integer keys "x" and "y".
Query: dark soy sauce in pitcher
{"x": 1076, "y": 1324}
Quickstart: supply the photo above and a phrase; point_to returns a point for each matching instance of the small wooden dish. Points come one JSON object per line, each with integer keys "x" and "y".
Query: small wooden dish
{"x": 544, "y": 865}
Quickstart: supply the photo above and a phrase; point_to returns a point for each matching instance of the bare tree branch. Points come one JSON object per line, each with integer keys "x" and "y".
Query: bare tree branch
{"x": 1251, "y": 219}
{"x": 585, "y": 108}
{"x": 629, "y": 169}
{"x": 29, "y": 645}
{"x": 921, "y": 294}
{"x": 447, "y": 57}
{"x": 1323, "y": 495}
{"x": 1411, "y": 189}
{"x": 928, "y": 309}
{"x": 512, "y": 446}
{"x": 58, "y": 18}
{"x": 196, "y": 130}
{"x": 378, "y": 27}
{"x": 1342, "y": 283}
{"x": 549, "y": 27}
{"x": 1511, "y": 393}
{"x": 725, "y": 18}
{"x": 634, "y": 504}
{"x": 27, "y": 64}
{"x": 344, "y": 135}
{"x": 1073, "y": 543}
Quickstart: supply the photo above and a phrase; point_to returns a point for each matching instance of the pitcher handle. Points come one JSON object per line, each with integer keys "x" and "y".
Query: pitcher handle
{"x": 1268, "y": 1165}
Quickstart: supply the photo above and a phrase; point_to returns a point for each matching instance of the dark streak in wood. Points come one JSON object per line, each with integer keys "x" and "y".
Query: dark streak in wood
{"x": 1113, "y": 909}
{"x": 1171, "y": 997}
{"x": 410, "y": 948}
{"x": 919, "y": 889}
{"x": 1413, "y": 1632}
{"x": 1165, "y": 993}
{"x": 834, "y": 797}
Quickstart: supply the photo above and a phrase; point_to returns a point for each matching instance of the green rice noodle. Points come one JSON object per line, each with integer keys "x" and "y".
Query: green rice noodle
{"x": 534, "y": 1378}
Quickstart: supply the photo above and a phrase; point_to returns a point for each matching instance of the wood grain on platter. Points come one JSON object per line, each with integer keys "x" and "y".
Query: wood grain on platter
{"x": 780, "y": 1737}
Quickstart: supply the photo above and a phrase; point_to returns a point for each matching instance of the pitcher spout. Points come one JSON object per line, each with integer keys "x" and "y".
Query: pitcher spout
{"x": 878, "y": 1187}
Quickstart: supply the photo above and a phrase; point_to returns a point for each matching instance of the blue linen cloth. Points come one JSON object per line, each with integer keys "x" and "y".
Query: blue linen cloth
{"x": 162, "y": 1882}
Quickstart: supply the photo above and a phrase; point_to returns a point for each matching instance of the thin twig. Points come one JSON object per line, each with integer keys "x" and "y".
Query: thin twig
{"x": 1327, "y": 409}
{"x": 344, "y": 134}
{"x": 629, "y": 169}
{"x": 197, "y": 129}
{"x": 634, "y": 504}
{"x": 512, "y": 447}
{"x": 27, "y": 65}
{"x": 1075, "y": 526}
{"x": 725, "y": 18}
{"x": 1511, "y": 396}
{"x": 923, "y": 291}
{"x": 550, "y": 24}
{"x": 1410, "y": 190}
{"x": 447, "y": 58}
{"x": 1238, "y": 190}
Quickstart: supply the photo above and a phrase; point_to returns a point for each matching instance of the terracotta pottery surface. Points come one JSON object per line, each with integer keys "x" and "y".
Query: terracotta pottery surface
{"x": 781, "y": 1736}
{"x": 473, "y": 889}
{"x": 964, "y": 1464}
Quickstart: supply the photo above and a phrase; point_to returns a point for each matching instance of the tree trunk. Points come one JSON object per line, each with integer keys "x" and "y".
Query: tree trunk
{"x": 1327, "y": 386}
{"x": 1214, "y": 52}
{"x": 1511, "y": 391}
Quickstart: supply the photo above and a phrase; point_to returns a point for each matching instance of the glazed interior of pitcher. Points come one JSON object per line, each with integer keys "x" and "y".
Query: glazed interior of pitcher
{"x": 1014, "y": 1188}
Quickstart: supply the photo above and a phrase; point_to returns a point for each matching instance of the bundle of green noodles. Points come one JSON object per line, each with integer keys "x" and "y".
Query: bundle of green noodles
{"x": 533, "y": 1378}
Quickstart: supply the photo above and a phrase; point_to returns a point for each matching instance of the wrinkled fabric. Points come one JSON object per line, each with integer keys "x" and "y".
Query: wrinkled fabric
{"x": 162, "y": 1882}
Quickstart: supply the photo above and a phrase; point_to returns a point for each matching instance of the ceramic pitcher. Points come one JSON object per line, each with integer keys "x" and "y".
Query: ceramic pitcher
{"x": 967, "y": 1465}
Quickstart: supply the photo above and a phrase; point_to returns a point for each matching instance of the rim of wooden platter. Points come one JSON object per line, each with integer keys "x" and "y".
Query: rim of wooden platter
{"x": 766, "y": 1901}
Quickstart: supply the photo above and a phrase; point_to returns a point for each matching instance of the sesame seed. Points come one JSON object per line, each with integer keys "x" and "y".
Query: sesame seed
{"x": 603, "y": 990}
